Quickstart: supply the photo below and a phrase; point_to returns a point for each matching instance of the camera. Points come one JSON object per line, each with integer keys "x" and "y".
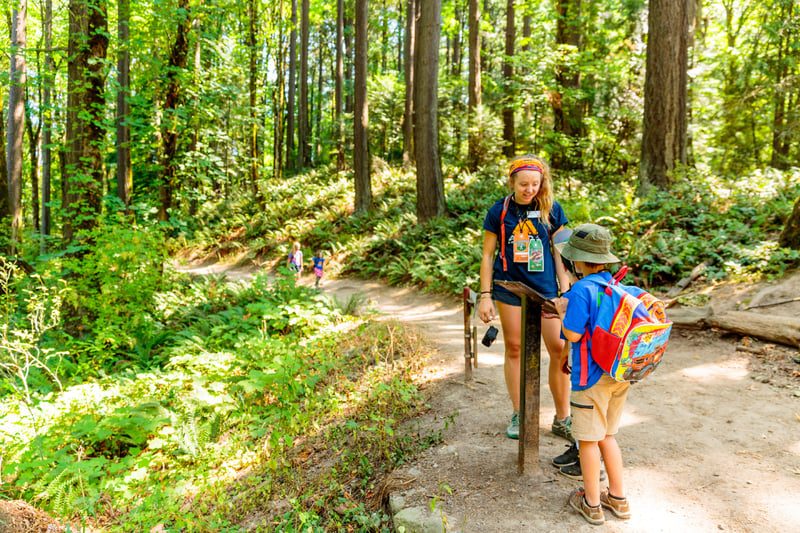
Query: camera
{"x": 490, "y": 336}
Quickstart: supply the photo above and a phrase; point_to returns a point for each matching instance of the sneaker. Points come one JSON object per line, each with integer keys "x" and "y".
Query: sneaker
{"x": 512, "y": 431}
{"x": 593, "y": 515}
{"x": 563, "y": 428}
{"x": 569, "y": 457}
{"x": 573, "y": 471}
{"x": 618, "y": 507}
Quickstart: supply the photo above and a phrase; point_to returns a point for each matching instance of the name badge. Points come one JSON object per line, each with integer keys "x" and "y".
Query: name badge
{"x": 534, "y": 214}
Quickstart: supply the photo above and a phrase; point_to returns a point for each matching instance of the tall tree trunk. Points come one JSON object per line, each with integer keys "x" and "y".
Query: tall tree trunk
{"x": 5, "y": 210}
{"x": 664, "y": 127}
{"x": 252, "y": 48}
{"x": 568, "y": 109}
{"x": 33, "y": 154}
{"x": 430, "y": 187}
{"x": 509, "y": 135}
{"x": 195, "y": 183}
{"x": 348, "y": 63}
{"x": 339, "y": 104}
{"x": 278, "y": 103}
{"x": 172, "y": 95}
{"x": 83, "y": 179}
{"x": 47, "y": 119}
{"x": 124, "y": 168}
{"x": 303, "y": 152}
{"x": 318, "y": 99}
{"x": 361, "y": 157}
{"x": 780, "y": 144}
{"x": 290, "y": 108}
{"x": 412, "y": 13}
{"x": 16, "y": 118}
{"x": 474, "y": 144}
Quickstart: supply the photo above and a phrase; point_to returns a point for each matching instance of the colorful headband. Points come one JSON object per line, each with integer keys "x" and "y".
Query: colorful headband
{"x": 524, "y": 164}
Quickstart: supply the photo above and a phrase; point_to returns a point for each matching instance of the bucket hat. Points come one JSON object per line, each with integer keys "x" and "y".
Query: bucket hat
{"x": 589, "y": 243}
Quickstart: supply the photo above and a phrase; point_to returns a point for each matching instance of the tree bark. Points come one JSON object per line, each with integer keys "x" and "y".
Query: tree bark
{"x": 303, "y": 152}
{"x": 5, "y": 211}
{"x": 278, "y": 103}
{"x": 361, "y": 156}
{"x": 339, "y": 104}
{"x": 474, "y": 89}
{"x": 252, "y": 49}
{"x": 124, "y": 168}
{"x": 16, "y": 119}
{"x": 290, "y": 107}
{"x": 664, "y": 126}
{"x": 568, "y": 109}
{"x": 509, "y": 135}
{"x": 47, "y": 119}
{"x": 33, "y": 154}
{"x": 177, "y": 64}
{"x": 430, "y": 187}
{"x": 83, "y": 173}
{"x": 412, "y": 13}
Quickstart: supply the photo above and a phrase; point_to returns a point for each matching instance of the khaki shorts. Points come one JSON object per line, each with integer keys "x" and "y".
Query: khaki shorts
{"x": 596, "y": 411}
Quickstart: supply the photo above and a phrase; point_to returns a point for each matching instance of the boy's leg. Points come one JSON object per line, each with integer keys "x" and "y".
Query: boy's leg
{"x": 590, "y": 465}
{"x": 612, "y": 456}
{"x": 511, "y": 319}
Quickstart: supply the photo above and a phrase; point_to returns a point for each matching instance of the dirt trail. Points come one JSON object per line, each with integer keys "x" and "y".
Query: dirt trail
{"x": 710, "y": 441}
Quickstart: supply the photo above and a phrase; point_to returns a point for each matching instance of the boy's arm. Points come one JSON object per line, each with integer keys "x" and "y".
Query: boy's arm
{"x": 561, "y": 309}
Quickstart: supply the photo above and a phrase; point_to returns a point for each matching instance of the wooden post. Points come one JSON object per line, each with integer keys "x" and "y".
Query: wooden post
{"x": 530, "y": 367}
{"x": 532, "y": 305}
{"x": 467, "y": 335}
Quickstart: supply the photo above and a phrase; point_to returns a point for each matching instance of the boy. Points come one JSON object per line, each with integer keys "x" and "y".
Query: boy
{"x": 596, "y": 399}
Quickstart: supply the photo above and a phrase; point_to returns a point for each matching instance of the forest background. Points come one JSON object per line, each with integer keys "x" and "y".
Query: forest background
{"x": 375, "y": 132}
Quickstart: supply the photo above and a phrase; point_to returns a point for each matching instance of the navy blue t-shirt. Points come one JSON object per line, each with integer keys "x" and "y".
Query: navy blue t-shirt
{"x": 525, "y": 221}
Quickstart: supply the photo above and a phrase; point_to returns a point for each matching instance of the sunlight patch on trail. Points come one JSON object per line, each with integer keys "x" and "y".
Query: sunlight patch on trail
{"x": 734, "y": 370}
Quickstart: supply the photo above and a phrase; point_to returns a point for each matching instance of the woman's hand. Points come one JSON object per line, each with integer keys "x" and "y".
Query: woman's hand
{"x": 486, "y": 310}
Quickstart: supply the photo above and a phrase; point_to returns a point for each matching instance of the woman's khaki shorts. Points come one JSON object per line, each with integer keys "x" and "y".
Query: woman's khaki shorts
{"x": 596, "y": 411}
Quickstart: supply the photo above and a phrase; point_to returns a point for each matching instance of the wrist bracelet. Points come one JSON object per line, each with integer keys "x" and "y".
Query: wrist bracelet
{"x": 486, "y": 292}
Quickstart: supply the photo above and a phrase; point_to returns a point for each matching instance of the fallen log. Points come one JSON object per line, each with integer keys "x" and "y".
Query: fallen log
{"x": 683, "y": 283}
{"x": 773, "y": 328}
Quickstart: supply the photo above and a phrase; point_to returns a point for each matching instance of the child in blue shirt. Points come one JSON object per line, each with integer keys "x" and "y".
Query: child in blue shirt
{"x": 597, "y": 399}
{"x": 319, "y": 262}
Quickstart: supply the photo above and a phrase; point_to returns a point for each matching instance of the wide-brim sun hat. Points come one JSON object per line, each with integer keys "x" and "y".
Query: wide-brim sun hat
{"x": 589, "y": 243}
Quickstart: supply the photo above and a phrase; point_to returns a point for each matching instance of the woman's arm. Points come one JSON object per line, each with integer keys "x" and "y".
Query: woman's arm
{"x": 485, "y": 305}
{"x": 561, "y": 273}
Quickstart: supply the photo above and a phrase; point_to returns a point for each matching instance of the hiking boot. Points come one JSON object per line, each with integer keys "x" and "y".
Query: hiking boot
{"x": 512, "y": 431}
{"x": 618, "y": 507}
{"x": 563, "y": 428}
{"x": 593, "y": 515}
{"x": 573, "y": 471}
{"x": 569, "y": 457}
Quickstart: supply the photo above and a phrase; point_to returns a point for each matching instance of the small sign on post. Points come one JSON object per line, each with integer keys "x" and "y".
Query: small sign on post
{"x": 533, "y": 304}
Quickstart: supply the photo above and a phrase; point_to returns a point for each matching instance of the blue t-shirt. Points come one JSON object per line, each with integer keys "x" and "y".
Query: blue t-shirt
{"x": 581, "y": 314}
{"x": 524, "y": 229}
{"x": 318, "y": 262}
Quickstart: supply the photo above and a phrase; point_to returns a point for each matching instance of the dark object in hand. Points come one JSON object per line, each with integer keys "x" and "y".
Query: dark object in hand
{"x": 490, "y": 336}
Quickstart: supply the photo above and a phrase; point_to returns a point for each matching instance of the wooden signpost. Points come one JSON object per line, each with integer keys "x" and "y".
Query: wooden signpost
{"x": 533, "y": 304}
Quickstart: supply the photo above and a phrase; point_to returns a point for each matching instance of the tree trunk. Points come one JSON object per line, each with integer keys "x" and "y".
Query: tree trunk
{"x": 412, "y": 13}
{"x": 474, "y": 144}
{"x": 124, "y": 168}
{"x": 348, "y": 62}
{"x": 252, "y": 48}
{"x": 339, "y": 105}
{"x": 361, "y": 158}
{"x": 509, "y": 135}
{"x": 177, "y": 64}
{"x": 47, "y": 120}
{"x": 303, "y": 152}
{"x": 16, "y": 119}
{"x": 278, "y": 103}
{"x": 568, "y": 109}
{"x": 83, "y": 179}
{"x": 33, "y": 154}
{"x": 5, "y": 211}
{"x": 194, "y": 181}
{"x": 664, "y": 126}
{"x": 290, "y": 108}
{"x": 780, "y": 132}
{"x": 430, "y": 187}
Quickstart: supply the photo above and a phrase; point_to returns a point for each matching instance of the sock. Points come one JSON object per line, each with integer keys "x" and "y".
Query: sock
{"x": 587, "y": 503}
{"x": 615, "y": 497}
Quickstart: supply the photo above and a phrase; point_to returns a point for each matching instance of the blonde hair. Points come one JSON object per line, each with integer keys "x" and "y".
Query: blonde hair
{"x": 295, "y": 246}
{"x": 544, "y": 198}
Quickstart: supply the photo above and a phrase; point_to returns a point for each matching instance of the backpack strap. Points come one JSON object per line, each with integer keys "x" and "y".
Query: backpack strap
{"x": 584, "y": 378}
{"x": 503, "y": 231}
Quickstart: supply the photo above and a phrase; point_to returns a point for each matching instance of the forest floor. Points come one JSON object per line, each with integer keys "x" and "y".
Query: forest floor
{"x": 710, "y": 441}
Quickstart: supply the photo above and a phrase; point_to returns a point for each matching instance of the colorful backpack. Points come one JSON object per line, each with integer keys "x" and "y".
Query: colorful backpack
{"x": 630, "y": 332}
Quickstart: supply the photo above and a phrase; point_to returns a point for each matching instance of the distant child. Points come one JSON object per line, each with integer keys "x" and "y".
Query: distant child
{"x": 597, "y": 403}
{"x": 295, "y": 260}
{"x": 319, "y": 261}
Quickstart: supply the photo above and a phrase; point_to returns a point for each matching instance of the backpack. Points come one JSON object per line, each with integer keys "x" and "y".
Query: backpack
{"x": 630, "y": 332}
